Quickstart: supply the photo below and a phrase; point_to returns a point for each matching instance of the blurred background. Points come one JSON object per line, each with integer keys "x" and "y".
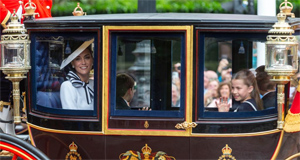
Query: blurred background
{"x": 66, "y": 7}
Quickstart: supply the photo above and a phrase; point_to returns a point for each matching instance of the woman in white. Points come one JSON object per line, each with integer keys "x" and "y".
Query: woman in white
{"x": 77, "y": 93}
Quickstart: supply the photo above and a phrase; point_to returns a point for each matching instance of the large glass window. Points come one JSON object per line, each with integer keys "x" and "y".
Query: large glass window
{"x": 63, "y": 77}
{"x": 226, "y": 58}
{"x": 147, "y": 74}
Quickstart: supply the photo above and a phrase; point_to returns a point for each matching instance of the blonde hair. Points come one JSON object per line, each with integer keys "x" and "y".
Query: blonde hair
{"x": 249, "y": 79}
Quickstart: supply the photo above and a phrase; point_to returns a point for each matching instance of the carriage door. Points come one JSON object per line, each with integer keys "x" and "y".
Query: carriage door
{"x": 158, "y": 60}
{"x": 218, "y": 128}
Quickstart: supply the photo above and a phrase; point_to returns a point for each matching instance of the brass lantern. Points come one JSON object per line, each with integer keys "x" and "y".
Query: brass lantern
{"x": 281, "y": 56}
{"x": 15, "y": 58}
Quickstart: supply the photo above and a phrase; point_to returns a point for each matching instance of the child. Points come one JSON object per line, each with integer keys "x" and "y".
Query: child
{"x": 245, "y": 93}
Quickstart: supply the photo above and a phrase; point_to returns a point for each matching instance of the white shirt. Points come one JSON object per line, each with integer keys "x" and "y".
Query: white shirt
{"x": 75, "y": 98}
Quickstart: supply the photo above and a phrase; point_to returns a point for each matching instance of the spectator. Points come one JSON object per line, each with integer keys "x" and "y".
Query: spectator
{"x": 175, "y": 96}
{"x": 177, "y": 68}
{"x": 224, "y": 93}
{"x": 226, "y": 74}
{"x": 224, "y": 70}
{"x": 209, "y": 75}
{"x": 211, "y": 93}
{"x": 222, "y": 64}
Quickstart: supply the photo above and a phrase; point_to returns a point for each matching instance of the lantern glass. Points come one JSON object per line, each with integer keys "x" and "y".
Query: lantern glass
{"x": 281, "y": 57}
{"x": 15, "y": 55}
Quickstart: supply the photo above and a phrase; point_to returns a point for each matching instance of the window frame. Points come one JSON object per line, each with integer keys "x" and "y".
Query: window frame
{"x": 200, "y": 114}
{"x": 57, "y": 113}
{"x": 155, "y": 123}
{"x": 137, "y": 113}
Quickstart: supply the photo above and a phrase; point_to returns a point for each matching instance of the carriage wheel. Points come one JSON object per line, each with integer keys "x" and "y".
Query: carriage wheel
{"x": 20, "y": 148}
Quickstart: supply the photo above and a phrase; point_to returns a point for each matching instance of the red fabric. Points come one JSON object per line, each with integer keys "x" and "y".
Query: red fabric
{"x": 43, "y": 7}
{"x": 3, "y": 12}
{"x": 11, "y": 5}
{"x": 295, "y": 108}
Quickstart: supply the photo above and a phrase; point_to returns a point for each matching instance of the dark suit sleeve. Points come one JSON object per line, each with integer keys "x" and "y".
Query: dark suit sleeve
{"x": 121, "y": 104}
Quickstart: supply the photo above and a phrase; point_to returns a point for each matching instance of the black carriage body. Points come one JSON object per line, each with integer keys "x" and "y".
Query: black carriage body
{"x": 189, "y": 39}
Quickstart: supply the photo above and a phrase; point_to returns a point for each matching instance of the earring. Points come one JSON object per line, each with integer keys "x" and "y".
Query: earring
{"x": 72, "y": 66}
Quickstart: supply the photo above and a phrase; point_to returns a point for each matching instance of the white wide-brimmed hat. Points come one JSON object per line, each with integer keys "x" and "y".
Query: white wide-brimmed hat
{"x": 73, "y": 55}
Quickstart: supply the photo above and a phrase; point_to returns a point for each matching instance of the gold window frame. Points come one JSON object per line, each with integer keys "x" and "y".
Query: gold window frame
{"x": 189, "y": 81}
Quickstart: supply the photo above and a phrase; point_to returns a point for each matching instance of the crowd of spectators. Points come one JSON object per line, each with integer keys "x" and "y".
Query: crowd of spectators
{"x": 222, "y": 90}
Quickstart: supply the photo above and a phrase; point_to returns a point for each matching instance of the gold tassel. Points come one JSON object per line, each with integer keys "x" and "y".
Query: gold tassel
{"x": 292, "y": 122}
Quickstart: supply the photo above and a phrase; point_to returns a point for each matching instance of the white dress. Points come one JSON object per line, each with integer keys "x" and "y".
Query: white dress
{"x": 75, "y": 98}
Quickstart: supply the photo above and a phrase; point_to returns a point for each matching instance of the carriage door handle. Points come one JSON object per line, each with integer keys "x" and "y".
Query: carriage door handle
{"x": 185, "y": 125}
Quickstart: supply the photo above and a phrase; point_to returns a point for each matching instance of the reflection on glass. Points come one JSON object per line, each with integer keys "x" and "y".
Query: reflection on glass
{"x": 218, "y": 64}
{"x": 223, "y": 58}
{"x": 175, "y": 96}
{"x": 150, "y": 61}
{"x": 49, "y": 77}
{"x": 256, "y": 45}
{"x": 280, "y": 56}
{"x": 14, "y": 55}
{"x": 141, "y": 70}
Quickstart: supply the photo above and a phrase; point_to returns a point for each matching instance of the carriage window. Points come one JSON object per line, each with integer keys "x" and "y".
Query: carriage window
{"x": 224, "y": 58}
{"x": 148, "y": 73}
{"x": 63, "y": 66}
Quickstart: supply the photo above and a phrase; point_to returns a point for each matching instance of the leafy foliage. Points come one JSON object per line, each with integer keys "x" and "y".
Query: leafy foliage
{"x": 66, "y": 7}
{"x": 199, "y": 6}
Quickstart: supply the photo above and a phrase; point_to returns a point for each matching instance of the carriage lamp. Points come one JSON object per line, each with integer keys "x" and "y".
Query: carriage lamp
{"x": 15, "y": 60}
{"x": 281, "y": 56}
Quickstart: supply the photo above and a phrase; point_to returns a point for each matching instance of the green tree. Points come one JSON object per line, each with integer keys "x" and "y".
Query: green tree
{"x": 66, "y": 7}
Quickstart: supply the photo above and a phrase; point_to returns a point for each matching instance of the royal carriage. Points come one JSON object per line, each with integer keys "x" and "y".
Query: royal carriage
{"x": 147, "y": 46}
